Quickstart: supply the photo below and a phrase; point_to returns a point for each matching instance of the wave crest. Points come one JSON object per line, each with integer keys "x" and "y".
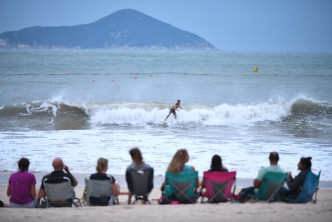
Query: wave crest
{"x": 51, "y": 115}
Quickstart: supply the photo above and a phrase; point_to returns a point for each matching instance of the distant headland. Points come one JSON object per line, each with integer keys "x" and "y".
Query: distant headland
{"x": 124, "y": 29}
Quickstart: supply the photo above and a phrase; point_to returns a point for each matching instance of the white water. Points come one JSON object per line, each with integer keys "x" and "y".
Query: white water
{"x": 227, "y": 109}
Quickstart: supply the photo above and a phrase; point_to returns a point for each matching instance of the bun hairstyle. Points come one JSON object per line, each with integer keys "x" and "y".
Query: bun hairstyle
{"x": 306, "y": 161}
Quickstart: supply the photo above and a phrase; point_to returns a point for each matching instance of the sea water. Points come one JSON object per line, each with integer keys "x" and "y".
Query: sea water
{"x": 84, "y": 104}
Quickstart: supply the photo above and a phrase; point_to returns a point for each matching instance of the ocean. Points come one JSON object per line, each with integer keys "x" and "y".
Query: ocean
{"x": 84, "y": 104}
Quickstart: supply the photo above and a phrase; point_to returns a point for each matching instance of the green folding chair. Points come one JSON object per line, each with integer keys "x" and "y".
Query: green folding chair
{"x": 271, "y": 184}
{"x": 182, "y": 186}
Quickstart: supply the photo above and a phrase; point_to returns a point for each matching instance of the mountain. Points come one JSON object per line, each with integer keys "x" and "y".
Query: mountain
{"x": 122, "y": 29}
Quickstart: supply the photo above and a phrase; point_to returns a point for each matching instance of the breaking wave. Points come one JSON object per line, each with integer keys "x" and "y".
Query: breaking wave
{"x": 61, "y": 115}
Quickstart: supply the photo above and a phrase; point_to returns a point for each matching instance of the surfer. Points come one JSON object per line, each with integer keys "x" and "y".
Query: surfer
{"x": 173, "y": 109}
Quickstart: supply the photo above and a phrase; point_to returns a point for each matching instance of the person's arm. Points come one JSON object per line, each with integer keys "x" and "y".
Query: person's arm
{"x": 257, "y": 183}
{"x": 116, "y": 189}
{"x": 294, "y": 184}
{"x": 74, "y": 182}
{"x": 8, "y": 190}
{"x": 260, "y": 177}
{"x": 33, "y": 190}
{"x": 41, "y": 194}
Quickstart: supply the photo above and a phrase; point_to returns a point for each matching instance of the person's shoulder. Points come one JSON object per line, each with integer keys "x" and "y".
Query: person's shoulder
{"x": 279, "y": 169}
{"x": 13, "y": 174}
{"x": 131, "y": 166}
{"x": 188, "y": 168}
{"x": 92, "y": 176}
{"x": 111, "y": 178}
{"x": 30, "y": 174}
{"x": 146, "y": 166}
{"x": 304, "y": 172}
{"x": 47, "y": 175}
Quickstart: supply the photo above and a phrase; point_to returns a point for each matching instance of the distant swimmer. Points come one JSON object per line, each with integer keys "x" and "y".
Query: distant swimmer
{"x": 173, "y": 109}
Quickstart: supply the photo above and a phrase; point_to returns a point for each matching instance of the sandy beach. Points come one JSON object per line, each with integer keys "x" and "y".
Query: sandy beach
{"x": 321, "y": 211}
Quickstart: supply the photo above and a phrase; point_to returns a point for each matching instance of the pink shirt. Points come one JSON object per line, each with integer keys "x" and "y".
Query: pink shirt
{"x": 20, "y": 187}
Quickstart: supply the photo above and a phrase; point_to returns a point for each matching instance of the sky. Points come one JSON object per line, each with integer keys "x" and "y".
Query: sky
{"x": 230, "y": 25}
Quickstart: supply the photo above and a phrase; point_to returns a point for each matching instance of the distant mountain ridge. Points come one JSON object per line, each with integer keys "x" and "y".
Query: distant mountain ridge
{"x": 124, "y": 29}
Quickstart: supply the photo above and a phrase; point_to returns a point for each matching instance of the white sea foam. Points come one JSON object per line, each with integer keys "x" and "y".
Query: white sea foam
{"x": 221, "y": 115}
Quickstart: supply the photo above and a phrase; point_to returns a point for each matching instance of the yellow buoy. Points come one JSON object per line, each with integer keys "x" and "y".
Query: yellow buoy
{"x": 255, "y": 69}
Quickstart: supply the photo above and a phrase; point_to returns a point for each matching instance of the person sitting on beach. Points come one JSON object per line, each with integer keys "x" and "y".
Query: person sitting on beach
{"x": 274, "y": 167}
{"x": 102, "y": 167}
{"x": 21, "y": 187}
{"x": 137, "y": 164}
{"x": 294, "y": 184}
{"x": 173, "y": 109}
{"x": 178, "y": 164}
{"x": 58, "y": 175}
{"x": 216, "y": 164}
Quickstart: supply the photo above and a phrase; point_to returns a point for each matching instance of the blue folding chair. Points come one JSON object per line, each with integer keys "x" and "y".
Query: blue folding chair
{"x": 309, "y": 188}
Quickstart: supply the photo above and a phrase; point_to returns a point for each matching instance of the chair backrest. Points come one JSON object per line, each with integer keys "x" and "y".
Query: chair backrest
{"x": 218, "y": 185}
{"x": 309, "y": 187}
{"x": 98, "y": 188}
{"x": 58, "y": 190}
{"x": 182, "y": 185}
{"x": 272, "y": 182}
{"x": 142, "y": 181}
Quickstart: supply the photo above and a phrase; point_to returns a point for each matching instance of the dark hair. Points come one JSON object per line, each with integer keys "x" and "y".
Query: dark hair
{"x": 306, "y": 161}
{"x": 274, "y": 156}
{"x": 216, "y": 163}
{"x": 136, "y": 154}
{"x": 23, "y": 164}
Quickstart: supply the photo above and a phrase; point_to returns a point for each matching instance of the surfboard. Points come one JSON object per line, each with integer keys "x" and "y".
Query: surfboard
{"x": 164, "y": 121}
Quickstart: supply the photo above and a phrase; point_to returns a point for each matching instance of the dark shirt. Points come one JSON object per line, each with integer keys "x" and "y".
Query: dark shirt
{"x": 101, "y": 176}
{"x": 295, "y": 184}
{"x": 57, "y": 177}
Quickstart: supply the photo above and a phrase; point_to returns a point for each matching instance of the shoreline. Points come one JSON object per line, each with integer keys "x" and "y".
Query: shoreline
{"x": 259, "y": 211}
{"x": 158, "y": 180}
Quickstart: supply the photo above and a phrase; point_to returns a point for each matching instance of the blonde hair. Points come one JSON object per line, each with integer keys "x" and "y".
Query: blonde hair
{"x": 102, "y": 163}
{"x": 178, "y": 161}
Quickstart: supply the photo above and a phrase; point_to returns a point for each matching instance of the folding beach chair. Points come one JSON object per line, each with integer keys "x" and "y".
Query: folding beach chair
{"x": 99, "y": 192}
{"x": 218, "y": 186}
{"x": 182, "y": 186}
{"x": 140, "y": 183}
{"x": 309, "y": 188}
{"x": 60, "y": 191}
{"x": 271, "y": 184}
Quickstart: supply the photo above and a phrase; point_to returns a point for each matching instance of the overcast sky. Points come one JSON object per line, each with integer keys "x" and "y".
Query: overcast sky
{"x": 230, "y": 25}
